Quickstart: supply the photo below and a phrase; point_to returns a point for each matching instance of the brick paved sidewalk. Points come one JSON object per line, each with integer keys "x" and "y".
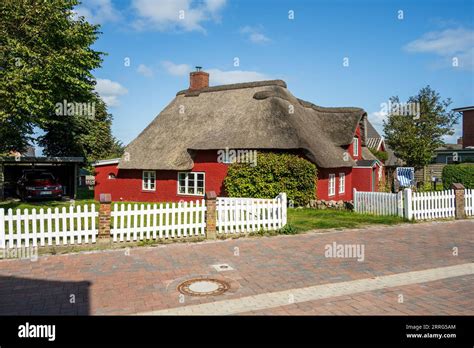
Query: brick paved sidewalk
{"x": 145, "y": 279}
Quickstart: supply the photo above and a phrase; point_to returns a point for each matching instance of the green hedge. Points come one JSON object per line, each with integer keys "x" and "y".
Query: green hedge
{"x": 274, "y": 173}
{"x": 458, "y": 173}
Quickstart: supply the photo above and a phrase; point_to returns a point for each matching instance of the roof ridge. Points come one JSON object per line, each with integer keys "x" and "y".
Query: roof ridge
{"x": 232, "y": 86}
{"x": 310, "y": 105}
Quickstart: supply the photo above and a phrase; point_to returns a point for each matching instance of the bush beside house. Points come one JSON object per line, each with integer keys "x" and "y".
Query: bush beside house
{"x": 275, "y": 173}
{"x": 458, "y": 173}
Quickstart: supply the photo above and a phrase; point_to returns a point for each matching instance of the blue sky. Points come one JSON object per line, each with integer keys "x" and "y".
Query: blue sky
{"x": 389, "y": 52}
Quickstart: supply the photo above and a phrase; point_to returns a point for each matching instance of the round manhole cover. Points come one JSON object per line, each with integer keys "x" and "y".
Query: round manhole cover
{"x": 203, "y": 287}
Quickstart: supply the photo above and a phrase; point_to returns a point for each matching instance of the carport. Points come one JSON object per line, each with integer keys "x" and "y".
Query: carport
{"x": 66, "y": 169}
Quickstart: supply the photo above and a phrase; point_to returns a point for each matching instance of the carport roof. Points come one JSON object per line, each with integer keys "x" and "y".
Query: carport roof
{"x": 23, "y": 159}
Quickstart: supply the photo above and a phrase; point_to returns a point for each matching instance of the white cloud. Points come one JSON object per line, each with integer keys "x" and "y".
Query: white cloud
{"x": 448, "y": 44}
{"x": 176, "y": 69}
{"x": 255, "y": 34}
{"x": 145, "y": 70}
{"x": 186, "y": 15}
{"x": 98, "y": 11}
{"x": 219, "y": 77}
{"x": 110, "y": 91}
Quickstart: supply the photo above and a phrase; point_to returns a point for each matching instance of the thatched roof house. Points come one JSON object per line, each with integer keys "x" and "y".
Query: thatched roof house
{"x": 256, "y": 115}
{"x": 261, "y": 115}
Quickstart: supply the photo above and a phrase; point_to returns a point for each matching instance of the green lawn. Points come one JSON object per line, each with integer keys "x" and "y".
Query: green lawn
{"x": 310, "y": 219}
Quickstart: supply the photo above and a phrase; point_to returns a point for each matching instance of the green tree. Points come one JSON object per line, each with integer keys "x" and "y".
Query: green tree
{"x": 82, "y": 136}
{"x": 414, "y": 137}
{"x": 46, "y": 58}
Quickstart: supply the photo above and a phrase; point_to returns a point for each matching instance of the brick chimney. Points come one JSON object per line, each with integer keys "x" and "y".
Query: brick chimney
{"x": 198, "y": 79}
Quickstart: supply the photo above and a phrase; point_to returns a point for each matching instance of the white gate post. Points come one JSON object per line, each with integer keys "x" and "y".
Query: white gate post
{"x": 283, "y": 203}
{"x": 354, "y": 193}
{"x": 400, "y": 203}
{"x": 407, "y": 201}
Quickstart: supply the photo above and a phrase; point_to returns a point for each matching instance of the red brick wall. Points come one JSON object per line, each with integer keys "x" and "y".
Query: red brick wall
{"x": 127, "y": 185}
{"x": 468, "y": 128}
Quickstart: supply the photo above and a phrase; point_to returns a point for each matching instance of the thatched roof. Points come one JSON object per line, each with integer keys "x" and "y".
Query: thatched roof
{"x": 256, "y": 115}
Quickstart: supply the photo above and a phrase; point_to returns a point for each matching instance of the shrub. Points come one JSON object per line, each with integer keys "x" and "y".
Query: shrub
{"x": 274, "y": 173}
{"x": 381, "y": 155}
{"x": 458, "y": 173}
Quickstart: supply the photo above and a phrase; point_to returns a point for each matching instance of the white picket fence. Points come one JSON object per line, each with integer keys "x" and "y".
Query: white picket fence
{"x": 412, "y": 205}
{"x": 158, "y": 221}
{"x": 378, "y": 203}
{"x": 75, "y": 225}
{"x": 244, "y": 215}
{"x": 432, "y": 205}
{"x": 469, "y": 202}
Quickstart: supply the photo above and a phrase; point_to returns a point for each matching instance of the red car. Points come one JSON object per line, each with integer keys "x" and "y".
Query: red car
{"x": 38, "y": 185}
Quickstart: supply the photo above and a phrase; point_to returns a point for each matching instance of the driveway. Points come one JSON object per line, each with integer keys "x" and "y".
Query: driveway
{"x": 423, "y": 269}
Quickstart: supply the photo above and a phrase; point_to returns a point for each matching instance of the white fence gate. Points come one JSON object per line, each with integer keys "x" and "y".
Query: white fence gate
{"x": 163, "y": 221}
{"x": 378, "y": 203}
{"x": 243, "y": 215}
{"x": 469, "y": 202}
{"x": 432, "y": 205}
{"x": 75, "y": 225}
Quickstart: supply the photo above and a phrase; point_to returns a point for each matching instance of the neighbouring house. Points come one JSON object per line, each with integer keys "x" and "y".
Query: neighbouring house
{"x": 376, "y": 142}
{"x": 462, "y": 151}
{"x": 176, "y": 156}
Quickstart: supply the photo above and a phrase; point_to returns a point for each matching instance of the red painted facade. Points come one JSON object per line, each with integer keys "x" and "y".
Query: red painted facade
{"x": 322, "y": 190}
{"x": 126, "y": 185}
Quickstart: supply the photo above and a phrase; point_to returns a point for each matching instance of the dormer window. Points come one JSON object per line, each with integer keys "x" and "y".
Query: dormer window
{"x": 355, "y": 144}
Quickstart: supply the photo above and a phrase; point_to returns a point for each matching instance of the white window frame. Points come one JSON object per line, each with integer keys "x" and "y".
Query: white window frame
{"x": 342, "y": 182}
{"x": 332, "y": 185}
{"x": 186, "y": 183}
{"x": 355, "y": 149}
{"x": 147, "y": 183}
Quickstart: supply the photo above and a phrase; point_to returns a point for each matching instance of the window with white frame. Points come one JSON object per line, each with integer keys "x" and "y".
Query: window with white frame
{"x": 149, "y": 180}
{"x": 332, "y": 185}
{"x": 342, "y": 182}
{"x": 355, "y": 150}
{"x": 190, "y": 183}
